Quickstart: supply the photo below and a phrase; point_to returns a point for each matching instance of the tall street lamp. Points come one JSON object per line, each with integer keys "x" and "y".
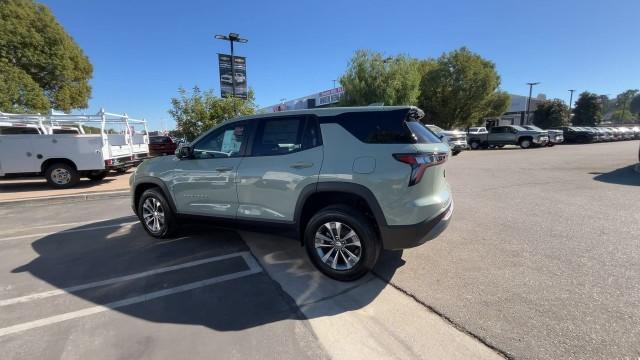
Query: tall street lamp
{"x": 531, "y": 84}
{"x": 570, "y": 101}
{"x": 231, "y": 38}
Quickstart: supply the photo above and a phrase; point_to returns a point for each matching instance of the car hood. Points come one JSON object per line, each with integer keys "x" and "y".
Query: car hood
{"x": 453, "y": 133}
{"x": 157, "y": 166}
{"x": 533, "y": 132}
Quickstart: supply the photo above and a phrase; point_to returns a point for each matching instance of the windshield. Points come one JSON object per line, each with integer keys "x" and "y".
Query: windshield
{"x": 533, "y": 127}
{"x": 519, "y": 128}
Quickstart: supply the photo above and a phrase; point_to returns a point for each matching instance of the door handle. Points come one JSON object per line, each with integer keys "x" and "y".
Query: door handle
{"x": 301, "y": 165}
{"x": 224, "y": 168}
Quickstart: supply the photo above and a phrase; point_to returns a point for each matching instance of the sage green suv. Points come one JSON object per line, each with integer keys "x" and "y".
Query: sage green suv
{"x": 348, "y": 182}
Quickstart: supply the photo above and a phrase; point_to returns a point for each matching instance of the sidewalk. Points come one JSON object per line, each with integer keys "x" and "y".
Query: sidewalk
{"x": 26, "y": 189}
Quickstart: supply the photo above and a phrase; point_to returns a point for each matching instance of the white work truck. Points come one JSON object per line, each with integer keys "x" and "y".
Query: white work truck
{"x": 57, "y": 146}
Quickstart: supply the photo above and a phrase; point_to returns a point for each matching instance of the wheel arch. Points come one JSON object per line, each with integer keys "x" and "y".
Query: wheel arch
{"x": 145, "y": 183}
{"x": 317, "y": 196}
{"x": 45, "y": 164}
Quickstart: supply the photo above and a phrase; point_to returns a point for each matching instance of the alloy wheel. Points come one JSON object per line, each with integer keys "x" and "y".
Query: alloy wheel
{"x": 153, "y": 214}
{"x": 338, "y": 246}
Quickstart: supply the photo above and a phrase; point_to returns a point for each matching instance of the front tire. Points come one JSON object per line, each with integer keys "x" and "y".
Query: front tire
{"x": 475, "y": 145}
{"x": 342, "y": 243}
{"x": 155, "y": 214}
{"x": 525, "y": 143}
{"x": 62, "y": 176}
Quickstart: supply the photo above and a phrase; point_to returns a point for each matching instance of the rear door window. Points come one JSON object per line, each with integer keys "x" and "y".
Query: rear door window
{"x": 278, "y": 136}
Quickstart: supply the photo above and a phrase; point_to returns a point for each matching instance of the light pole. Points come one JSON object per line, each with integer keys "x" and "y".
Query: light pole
{"x": 231, "y": 38}
{"x": 531, "y": 84}
{"x": 624, "y": 108}
{"x": 570, "y": 101}
{"x": 334, "y": 83}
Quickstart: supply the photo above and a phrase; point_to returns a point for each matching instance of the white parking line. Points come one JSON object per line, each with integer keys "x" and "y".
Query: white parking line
{"x": 254, "y": 268}
{"x": 62, "y": 225}
{"x": 68, "y": 231}
{"x": 245, "y": 255}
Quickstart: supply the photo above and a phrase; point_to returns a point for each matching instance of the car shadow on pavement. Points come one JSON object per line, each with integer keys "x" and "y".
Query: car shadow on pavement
{"x": 108, "y": 257}
{"x": 621, "y": 176}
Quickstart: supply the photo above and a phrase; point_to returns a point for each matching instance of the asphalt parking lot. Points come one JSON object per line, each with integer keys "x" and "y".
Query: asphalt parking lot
{"x": 542, "y": 260}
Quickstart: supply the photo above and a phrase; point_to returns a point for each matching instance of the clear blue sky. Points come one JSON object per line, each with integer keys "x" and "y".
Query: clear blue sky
{"x": 142, "y": 51}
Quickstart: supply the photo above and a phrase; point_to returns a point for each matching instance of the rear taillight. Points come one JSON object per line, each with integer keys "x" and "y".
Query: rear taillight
{"x": 420, "y": 163}
{"x": 108, "y": 162}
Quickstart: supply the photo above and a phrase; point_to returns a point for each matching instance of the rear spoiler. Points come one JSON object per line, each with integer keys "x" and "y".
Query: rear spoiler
{"x": 415, "y": 113}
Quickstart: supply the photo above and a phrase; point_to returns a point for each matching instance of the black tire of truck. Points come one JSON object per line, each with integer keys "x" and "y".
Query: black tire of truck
{"x": 97, "y": 175}
{"x": 525, "y": 143}
{"x": 61, "y": 176}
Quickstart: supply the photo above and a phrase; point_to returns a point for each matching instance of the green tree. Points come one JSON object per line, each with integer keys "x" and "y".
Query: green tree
{"x": 550, "y": 113}
{"x": 18, "y": 92}
{"x": 37, "y": 52}
{"x": 588, "y": 110}
{"x": 622, "y": 111}
{"x": 197, "y": 111}
{"x": 372, "y": 78}
{"x": 634, "y": 105}
{"x": 460, "y": 89}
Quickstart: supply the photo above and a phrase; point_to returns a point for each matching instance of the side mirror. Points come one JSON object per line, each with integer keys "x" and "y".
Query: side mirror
{"x": 441, "y": 136}
{"x": 184, "y": 152}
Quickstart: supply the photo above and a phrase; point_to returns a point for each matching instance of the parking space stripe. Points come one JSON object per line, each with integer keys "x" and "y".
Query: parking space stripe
{"x": 130, "y": 301}
{"x": 22, "y": 299}
{"x": 69, "y": 231}
{"x": 63, "y": 225}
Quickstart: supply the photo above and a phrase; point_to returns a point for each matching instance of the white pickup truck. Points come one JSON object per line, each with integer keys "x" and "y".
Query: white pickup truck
{"x": 56, "y": 146}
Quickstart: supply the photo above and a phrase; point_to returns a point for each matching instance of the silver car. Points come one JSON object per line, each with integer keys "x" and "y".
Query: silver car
{"x": 347, "y": 182}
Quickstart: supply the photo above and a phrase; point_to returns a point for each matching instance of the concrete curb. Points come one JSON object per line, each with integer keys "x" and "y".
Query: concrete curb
{"x": 61, "y": 199}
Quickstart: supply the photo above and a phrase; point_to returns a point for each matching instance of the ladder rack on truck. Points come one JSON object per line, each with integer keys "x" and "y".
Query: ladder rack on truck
{"x": 90, "y": 144}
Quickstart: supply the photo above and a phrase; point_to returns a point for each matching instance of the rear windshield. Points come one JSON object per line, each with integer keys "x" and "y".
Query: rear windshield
{"x": 65, "y": 131}
{"x": 422, "y": 134}
{"x": 160, "y": 140}
{"x": 383, "y": 127}
{"x": 18, "y": 131}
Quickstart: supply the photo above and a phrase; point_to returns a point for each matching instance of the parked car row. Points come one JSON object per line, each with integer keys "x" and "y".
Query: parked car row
{"x": 584, "y": 134}
{"x": 527, "y": 136}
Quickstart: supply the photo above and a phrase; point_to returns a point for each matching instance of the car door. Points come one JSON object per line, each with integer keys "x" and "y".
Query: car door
{"x": 205, "y": 184}
{"x": 285, "y": 156}
{"x": 498, "y": 134}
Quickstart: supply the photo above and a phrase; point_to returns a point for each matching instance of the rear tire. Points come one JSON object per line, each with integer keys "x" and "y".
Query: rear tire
{"x": 61, "y": 176}
{"x": 98, "y": 175}
{"x": 335, "y": 250}
{"x": 155, "y": 214}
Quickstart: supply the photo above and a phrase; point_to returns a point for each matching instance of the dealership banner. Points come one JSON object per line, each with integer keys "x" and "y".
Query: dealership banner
{"x": 227, "y": 78}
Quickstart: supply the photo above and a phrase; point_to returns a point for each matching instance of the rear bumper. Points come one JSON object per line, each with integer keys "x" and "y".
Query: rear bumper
{"x": 408, "y": 236}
